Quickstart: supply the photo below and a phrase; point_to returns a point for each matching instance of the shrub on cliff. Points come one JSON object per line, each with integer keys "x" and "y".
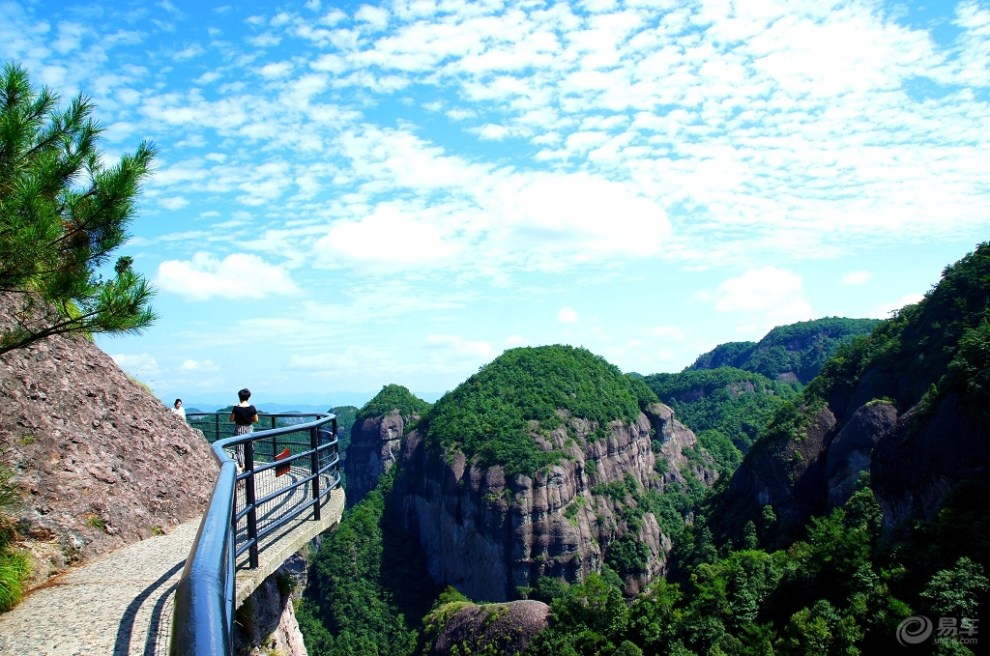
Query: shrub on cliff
{"x": 14, "y": 568}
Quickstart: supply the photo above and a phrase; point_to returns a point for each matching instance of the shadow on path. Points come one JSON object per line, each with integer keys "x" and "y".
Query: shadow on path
{"x": 156, "y": 632}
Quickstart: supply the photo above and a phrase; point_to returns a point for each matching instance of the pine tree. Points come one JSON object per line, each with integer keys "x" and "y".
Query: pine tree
{"x": 62, "y": 214}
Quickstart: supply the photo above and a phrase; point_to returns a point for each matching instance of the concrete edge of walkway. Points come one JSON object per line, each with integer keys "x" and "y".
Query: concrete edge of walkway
{"x": 272, "y": 557}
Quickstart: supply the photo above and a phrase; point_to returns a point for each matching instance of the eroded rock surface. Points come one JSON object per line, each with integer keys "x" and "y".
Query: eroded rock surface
{"x": 489, "y": 536}
{"x": 98, "y": 460}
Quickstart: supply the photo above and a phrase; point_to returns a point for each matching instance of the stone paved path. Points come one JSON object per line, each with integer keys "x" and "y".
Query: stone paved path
{"x": 121, "y": 604}
{"x": 118, "y": 605}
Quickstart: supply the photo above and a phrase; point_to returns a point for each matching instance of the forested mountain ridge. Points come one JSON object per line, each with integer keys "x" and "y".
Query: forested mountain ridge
{"x": 725, "y": 407}
{"x": 729, "y": 394}
{"x": 860, "y": 508}
{"x": 791, "y": 353}
{"x": 907, "y": 405}
{"x": 582, "y": 470}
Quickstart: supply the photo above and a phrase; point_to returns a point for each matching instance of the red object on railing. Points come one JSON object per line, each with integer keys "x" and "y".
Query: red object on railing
{"x": 283, "y": 469}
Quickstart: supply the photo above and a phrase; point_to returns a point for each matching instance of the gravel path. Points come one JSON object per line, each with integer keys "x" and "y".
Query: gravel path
{"x": 118, "y": 605}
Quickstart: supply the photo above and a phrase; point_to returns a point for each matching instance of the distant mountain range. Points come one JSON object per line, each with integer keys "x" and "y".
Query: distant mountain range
{"x": 335, "y": 400}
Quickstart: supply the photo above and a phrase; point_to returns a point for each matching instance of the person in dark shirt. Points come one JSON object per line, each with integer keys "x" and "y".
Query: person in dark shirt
{"x": 244, "y": 416}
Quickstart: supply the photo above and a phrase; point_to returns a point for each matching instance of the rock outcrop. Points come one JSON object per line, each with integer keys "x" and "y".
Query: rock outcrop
{"x": 489, "y": 536}
{"x": 374, "y": 448}
{"x": 376, "y": 438}
{"x": 266, "y": 621}
{"x": 467, "y": 628}
{"x": 98, "y": 461}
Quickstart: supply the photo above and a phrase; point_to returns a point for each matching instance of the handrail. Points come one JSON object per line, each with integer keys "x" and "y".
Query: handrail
{"x": 203, "y": 617}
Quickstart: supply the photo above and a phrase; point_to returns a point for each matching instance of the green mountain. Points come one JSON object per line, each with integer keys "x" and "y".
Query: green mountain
{"x": 729, "y": 394}
{"x": 490, "y": 416}
{"x": 792, "y": 353}
{"x": 856, "y": 520}
{"x": 392, "y": 397}
{"x": 376, "y": 437}
{"x": 727, "y": 408}
{"x": 907, "y": 405}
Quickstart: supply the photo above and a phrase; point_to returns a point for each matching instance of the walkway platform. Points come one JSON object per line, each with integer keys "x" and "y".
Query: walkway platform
{"x": 121, "y": 604}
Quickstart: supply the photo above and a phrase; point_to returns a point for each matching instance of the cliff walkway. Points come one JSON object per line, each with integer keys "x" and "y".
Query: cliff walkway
{"x": 143, "y": 597}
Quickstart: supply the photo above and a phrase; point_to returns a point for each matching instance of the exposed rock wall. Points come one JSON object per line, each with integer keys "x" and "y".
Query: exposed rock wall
{"x": 914, "y": 460}
{"x": 553, "y": 524}
{"x": 916, "y": 465}
{"x": 374, "y": 447}
{"x": 266, "y": 622}
{"x": 98, "y": 460}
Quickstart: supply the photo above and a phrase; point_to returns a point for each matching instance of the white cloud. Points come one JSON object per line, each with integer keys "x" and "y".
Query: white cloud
{"x": 580, "y": 217}
{"x": 673, "y": 333}
{"x": 390, "y": 237}
{"x": 513, "y": 341}
{"x": 237, "y": 276}
{"x": 461, "y": 347}
{"x": 276, "y": 69}
{"x": 856, "y": 278}
{"x": 173, "y": 203}
{"x": 769, "y": 291}
{"x": 137, "y": 362}
{"x": 198, "y": 366}
{"x": 142, "y": 366}
{"x": 463, "y": 145}
{"x": 567, "y": 315}
{"x": 886, "y": 310}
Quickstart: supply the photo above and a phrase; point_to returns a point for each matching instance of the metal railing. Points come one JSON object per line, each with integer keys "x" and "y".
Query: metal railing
{"x": 288, "y": 473}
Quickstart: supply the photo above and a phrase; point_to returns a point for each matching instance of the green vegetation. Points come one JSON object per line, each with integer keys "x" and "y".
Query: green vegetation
{"x": 493, "y": 416}
{"x": 937, "y": 346}
{"x": 727, "y": 408}
{"x": 839, "y": 591}
{"x": 798, "y": 350}
{"x": 346, "y": 415}
{"x": 95, "y": 521}
{"x": 846, "y": 583}
{"x": 729, "y": 395}
{"x": 368, "y": 587}
{"x": 393, "y": 397}
{"x": 14, "y": 566}
{"x": 62, "y": 215}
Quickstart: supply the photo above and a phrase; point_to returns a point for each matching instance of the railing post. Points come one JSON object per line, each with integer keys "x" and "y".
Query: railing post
{"x": 314, "y": 459}
{"x": 252, "y": 516}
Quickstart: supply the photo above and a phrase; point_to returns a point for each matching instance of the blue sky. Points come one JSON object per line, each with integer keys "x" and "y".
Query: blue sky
{"x": 349, "y": 195}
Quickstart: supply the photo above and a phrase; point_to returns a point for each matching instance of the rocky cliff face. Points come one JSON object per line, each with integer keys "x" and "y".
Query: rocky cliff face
{"x": 266, "y": 622}
{"x": 489, "y": 536}
{"x": 374, "y": 448}
{"x": 913, "y": 465}
{"x": 98, "y": 461}
{"x": 907, "y": 407}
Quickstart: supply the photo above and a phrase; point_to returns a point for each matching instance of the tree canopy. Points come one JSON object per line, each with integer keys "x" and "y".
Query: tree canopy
{"x": 63, "y": 213}
{"x": 492, "y": 416}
